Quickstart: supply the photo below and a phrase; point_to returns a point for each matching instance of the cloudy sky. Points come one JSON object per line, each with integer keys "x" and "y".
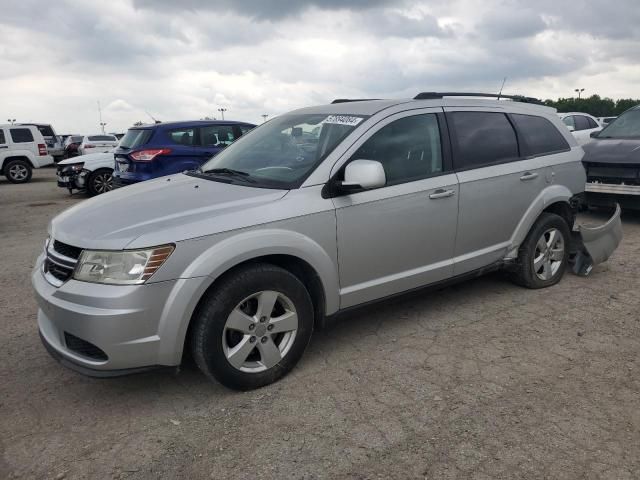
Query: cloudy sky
{"x": 185, "y": 59}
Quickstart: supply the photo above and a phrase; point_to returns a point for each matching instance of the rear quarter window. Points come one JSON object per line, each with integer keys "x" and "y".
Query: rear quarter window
{"x": 21, "y": 135}
{"x": 2, "y": 139}
{"x": 135, "y": 137}
{"x": 482, "y": 138}
{"x": 540, "y": 136}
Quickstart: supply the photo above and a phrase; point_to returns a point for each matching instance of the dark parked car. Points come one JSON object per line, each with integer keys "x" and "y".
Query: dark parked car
{"x": 166, "y": 148}
{"x": 612, "y": 161}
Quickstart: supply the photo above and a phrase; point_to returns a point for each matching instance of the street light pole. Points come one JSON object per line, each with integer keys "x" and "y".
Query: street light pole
{"x": 264, "y": 117}
{"x": 579, "y": 90}
{"x": 102, "y": 125}
{"x": 222, "y": 110}
{"x": 11, "y": 120}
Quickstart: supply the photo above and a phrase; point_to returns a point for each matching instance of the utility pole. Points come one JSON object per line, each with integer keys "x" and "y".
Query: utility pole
{"x": 102, "y": 124}
{"x": 222, "y": 110}
{"x": 579, "y": 90}
{"x": 264, "y": 117}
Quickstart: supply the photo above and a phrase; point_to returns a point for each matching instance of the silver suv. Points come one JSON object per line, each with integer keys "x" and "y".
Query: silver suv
{"x": 316, "y": 211}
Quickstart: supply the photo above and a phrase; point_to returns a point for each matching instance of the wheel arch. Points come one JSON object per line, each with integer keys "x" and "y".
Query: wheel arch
{"x": 290, "y": 251}
{"x": 553, "y": 199}
{"x": 16, "y": 157}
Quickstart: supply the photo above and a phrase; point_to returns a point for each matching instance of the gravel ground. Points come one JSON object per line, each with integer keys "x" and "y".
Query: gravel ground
{"x": 482, "y": 380}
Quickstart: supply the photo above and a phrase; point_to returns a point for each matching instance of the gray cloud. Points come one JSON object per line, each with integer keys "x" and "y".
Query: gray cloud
{"x": 505, "y": 24}
{"x": 183, "y": 60}
{"x": 260, "y": 9}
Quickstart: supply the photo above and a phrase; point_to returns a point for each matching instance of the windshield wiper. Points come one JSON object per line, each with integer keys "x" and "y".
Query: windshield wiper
{"x": 231, "y": 172}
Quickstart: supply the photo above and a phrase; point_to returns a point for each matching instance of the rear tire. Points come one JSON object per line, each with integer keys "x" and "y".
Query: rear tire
{"x": 100, "y": 181}
{"x": 253, "y": 328}
{"x": 543, "y": 256}
{"x": 18, "y": 171}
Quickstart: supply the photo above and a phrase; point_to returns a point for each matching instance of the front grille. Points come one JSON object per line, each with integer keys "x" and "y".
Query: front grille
{"x": 67, "y": 250}
{"x": 61, "y": 273}
{"x": 60, "y": 262}
{"x": 613, "y": 173}
{"x": 84, "y": 348}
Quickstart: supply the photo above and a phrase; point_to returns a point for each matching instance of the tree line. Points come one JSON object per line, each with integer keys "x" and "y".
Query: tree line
{"x": 594, "y": 105}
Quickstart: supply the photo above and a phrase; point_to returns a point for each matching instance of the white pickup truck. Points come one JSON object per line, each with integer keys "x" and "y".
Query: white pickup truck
{"x": 22, "y": 148}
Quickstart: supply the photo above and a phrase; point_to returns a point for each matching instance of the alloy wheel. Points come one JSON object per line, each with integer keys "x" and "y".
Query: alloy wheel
{"x": 18, "y": 172}
{"x": 549, "y": 254}
{"x": 103, "y": 182}
{"x": 260, "y": 331}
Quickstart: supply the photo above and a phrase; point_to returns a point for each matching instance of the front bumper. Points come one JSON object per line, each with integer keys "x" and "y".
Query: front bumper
{"x": 594, "y": 244}
{"x": 136, "y": 327}
{"x": 72, "y": 180}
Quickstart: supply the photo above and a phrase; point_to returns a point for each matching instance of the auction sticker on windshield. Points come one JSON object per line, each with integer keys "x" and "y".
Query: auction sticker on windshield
{"x": 343, "y": 120}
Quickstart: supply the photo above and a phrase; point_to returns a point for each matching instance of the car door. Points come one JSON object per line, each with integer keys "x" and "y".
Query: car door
{"x": 213, "y": 138}
{"x": 183, "y": 155}
{"x": 497, "y": 184}
{"x": 400, "y": 236}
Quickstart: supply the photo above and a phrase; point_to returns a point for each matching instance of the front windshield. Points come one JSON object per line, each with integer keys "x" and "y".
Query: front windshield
{"x": 284, "y": 151}
{"x": 625, "y": 126}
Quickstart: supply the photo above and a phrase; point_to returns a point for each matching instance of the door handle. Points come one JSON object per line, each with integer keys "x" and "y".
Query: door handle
{"x": 528, "y": 176}
{"x": 442, "y": 193}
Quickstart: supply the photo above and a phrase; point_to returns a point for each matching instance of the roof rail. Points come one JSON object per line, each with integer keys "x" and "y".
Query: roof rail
{"x": 346, "y": 100}
{"x": 516, "y": 98}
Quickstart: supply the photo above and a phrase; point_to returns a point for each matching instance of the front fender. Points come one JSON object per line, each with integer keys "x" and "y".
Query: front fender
{"x": 239, "y": 248}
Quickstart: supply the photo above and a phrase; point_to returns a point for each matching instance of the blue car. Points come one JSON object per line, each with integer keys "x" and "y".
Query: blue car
{"x": 152, "y": 151}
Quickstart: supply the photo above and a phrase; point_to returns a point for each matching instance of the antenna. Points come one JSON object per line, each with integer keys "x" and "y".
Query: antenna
{"x": 504, "y": 80}
{"x": 154, "y": 120}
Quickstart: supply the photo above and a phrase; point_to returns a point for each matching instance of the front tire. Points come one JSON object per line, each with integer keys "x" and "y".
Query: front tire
{"x": 18, "y": 171}
{"x": 543, "y": 256}
{"x": 100, "y": 181}
{"x": 253, "y": 328}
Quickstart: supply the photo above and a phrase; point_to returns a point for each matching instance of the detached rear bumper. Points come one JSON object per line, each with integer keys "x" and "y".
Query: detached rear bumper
{"x": 595, "y": 244}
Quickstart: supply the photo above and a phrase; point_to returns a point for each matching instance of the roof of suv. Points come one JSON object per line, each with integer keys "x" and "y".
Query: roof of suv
{"x": 371, "y": 107}
{"x": 184, "y": 123}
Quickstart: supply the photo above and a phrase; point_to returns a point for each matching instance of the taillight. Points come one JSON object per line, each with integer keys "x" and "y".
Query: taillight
{"x": 89, "y": 146}
{"x": 148, "y": 155}
{"x": 42, "y": 149}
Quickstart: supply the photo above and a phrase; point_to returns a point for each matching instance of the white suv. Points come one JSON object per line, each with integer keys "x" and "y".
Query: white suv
{"x": 22, "y": 148}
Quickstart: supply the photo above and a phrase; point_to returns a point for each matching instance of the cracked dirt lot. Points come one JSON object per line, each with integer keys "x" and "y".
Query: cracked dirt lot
{"x": 481, "y": 380}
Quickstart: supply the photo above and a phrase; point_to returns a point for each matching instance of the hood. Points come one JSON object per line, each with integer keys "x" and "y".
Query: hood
{"x": 612, "y": 150}
{"x": 164, "y": 210}
{"x": 87, "y": 158}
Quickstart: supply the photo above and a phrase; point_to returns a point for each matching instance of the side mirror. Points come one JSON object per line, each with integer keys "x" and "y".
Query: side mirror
{"x": 363, "y": 174}
{"x": 594, "y": 134}
{"x": 571, "y": 129}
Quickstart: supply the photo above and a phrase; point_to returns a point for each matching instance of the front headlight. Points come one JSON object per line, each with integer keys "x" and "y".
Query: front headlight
{"x": 77, "y": 167}
{"x": 128, "y": 267}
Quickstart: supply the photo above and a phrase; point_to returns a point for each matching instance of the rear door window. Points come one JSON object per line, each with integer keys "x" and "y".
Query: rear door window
{"x": 592, "y": 122}
{"x": 101, "y": 138}
{"x": 582, "y": 122}
{"x": 482, "y": 138}
{"x": 539, "y": 135}
{"x": 569, "y": 122}
{"x": 21, "y": 135}
{"x": 217, "y": 135}
{"x": 245, "y": 128}
{"x": 183, "y": 136}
